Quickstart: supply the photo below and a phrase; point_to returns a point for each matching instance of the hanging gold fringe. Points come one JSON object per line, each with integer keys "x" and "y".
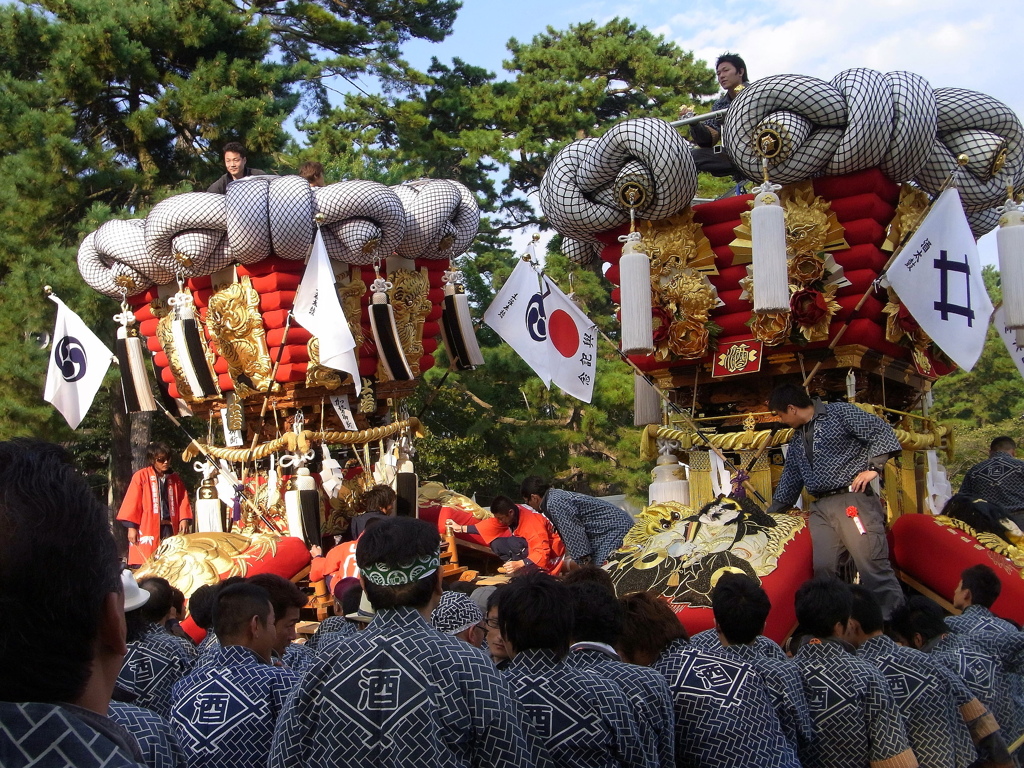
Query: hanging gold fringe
{"x": 301, "y": 442}
{"x": 760, "y": 474}
{"x": 701, "y": 490}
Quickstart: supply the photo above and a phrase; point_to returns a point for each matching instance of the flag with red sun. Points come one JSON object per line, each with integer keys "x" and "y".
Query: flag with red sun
{"x": 573, "y": 344}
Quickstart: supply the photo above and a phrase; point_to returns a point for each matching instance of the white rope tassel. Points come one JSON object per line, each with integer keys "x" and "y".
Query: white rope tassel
{"x": 768, "y": 231}
{"x": 646, "y": 402}
{"x": 635, "y": 292}
{"x": 1010, "y": 244}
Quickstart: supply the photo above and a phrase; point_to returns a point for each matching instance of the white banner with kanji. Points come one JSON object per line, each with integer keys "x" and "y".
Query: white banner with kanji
{"x": 573, "y": 344}
{"x": 517, "y": 315}
{"x": 937, "y": 276}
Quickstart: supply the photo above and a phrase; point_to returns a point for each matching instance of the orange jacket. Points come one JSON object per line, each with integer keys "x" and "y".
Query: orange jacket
{"x": 141, "y": 507}
{"x": 545, "y": 547}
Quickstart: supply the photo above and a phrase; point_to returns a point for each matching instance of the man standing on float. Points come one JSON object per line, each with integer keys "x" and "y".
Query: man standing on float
{"x": 836, "y": 451}
{"x": 155, "y": 507}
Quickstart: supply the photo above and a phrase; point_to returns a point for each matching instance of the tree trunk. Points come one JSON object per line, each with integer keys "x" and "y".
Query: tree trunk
{"x": 120, "y": 467}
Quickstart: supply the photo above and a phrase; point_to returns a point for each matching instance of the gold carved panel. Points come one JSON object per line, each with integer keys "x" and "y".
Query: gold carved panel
{"x": 236, "y": 327}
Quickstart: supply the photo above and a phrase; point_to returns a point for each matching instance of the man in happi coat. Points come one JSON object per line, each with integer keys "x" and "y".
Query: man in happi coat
{"x": 987, "y": 661}
{"x": 856, "y": 720}
{"x": 521, "y": 537}
{"x": 999, "y": 479}
{"x": 724, "y": 715}
{"x": 400, "y": 693}
{"x": 584, "y": 720}
{"x": 944, "y": 719}
{"x": 597, "y": 626}
{"x": 155, "y": 506}
{"x": 153, "y": 733}
{"x": 156, "y": 659}
{"x": 837, "y": 450}
{"x": 62, "y": 636}
{"x": 741, "y": 609}
{"x": 287, "y": 600}
{"x": 590, "y": 528}
{"x": 224, "y": 713}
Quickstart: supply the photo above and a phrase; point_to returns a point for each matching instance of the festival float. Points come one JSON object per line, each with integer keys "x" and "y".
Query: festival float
{"x": 721, "y": 301}
{"x": 210, "y": 289}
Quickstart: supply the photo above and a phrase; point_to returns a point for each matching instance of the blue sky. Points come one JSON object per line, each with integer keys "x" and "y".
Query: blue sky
{"x": 965, "y": 45}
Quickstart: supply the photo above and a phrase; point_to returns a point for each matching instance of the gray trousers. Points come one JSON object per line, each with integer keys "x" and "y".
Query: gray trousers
{"x": 833, "y": 532}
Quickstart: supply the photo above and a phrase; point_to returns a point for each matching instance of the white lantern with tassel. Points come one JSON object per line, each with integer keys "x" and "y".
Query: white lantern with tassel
{"x": 1010, "y": 243}
{"x": 635, "y": 301}
{"x": 770, "y": 264}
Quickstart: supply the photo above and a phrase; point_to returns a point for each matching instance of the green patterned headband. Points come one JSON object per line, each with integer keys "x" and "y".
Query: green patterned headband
{"x": 384, "y": 575}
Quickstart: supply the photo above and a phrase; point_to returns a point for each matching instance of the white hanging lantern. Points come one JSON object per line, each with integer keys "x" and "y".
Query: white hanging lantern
{"x": 770, "y": 264}
{"x": 208, "y": 507}
{"x": 646, "y": 401}
{"x": 635, "y": 297}
{"x": 1010, "y": 244}
{"x": 669, "y": 476}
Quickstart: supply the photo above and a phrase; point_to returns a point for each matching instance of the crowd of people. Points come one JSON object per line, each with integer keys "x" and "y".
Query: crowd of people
{"x": 545, "y": 670}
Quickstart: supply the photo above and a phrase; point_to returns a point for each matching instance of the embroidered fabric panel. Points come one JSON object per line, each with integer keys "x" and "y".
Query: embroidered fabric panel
{"x": 929, "y": 704}
{"x": 583, "y": 720}
{"x": 856, "y": 720}
{"x": 154, "y": 734}
{"x": 723, "y": 712}
{"x": 997, "y": 480}
{"x": 589, "y": 527}
{"x": 153, "y": 665}
{"x": 33, "y": 735}
{"x": 647, "y": 693}
{"x": 224, "y": 714}
{"x": 401, "y": 693}
{"x": 987, "y": 662}
{"x": 785, "y": 689}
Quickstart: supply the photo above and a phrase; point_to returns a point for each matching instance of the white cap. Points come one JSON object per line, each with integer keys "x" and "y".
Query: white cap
{"x": 134, "y": 597}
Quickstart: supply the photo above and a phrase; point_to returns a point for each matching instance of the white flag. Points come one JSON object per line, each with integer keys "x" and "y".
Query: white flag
{"x": 572, "y": 344}
{"x": 318, "y": 310}
{"x": 517, "y": 315}
{"x": 78, "y": 363}
{"x": 938, "y": 277}
{"x": 1014, "y": 340}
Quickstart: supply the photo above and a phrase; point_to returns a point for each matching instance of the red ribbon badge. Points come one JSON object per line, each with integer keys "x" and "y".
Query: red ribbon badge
{"x": 851, "y": 512}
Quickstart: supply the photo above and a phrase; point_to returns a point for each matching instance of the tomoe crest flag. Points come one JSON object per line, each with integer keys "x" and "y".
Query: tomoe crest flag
{"x": 937, "y": 276}
{"x": 78, "y": 363}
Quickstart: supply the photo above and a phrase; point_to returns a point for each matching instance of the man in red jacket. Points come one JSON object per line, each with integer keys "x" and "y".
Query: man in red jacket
{"x": 156, "y": 505}
{"x": 520, "y": 536}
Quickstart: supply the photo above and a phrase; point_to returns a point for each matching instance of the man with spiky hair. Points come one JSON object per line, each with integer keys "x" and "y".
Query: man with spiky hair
{"x": 236, "y": 162}
{"x": 584, "y": 720}
{"x": 63, "y": 636}
{"x": 400, "y": 693}
{"x": 224, "y": 713}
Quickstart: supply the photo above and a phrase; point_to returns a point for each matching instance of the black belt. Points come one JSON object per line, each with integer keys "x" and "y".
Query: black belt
{"x": 836, "y": 491}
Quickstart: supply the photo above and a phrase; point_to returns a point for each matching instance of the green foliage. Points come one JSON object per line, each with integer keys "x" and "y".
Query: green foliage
{"x": 993, "y": 391}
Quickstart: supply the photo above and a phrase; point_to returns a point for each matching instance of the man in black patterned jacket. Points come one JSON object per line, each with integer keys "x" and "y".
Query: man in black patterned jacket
{"x": 836, "y": 452}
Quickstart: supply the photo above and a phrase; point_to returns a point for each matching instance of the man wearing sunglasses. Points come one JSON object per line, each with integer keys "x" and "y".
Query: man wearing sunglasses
{"x": 155, "y": 506}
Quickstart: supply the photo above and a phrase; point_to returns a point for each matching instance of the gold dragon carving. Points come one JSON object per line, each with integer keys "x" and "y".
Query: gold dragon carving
{"x": 349, "y": 293}
{"x": 410, "y": 302}
{"x": 236, "y": 327}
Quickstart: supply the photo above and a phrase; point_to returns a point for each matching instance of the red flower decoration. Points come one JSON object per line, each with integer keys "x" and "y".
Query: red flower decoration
{"x": 662, "y": 320}
{"x": 851, "y": 511}
{"x": 808, "y": 306}
{"x": 905, "y": 320}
